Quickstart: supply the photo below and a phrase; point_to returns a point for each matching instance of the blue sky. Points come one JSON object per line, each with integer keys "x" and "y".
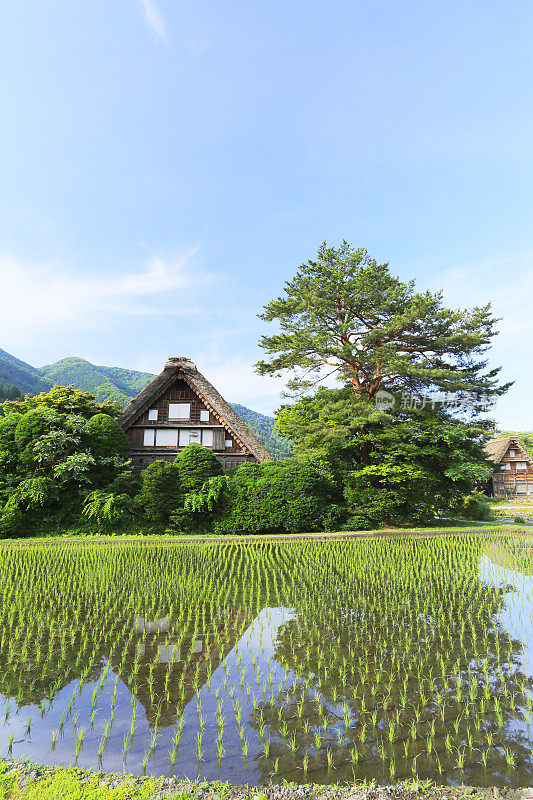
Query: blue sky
{"x": 166, "y": 166}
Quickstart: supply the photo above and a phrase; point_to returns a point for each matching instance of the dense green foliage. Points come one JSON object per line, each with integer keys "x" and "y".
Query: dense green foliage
{"x": 63, "y": 400}
{"x": 108, "y": 437}
{"x": 195, "y": 465}
{"x": 264, "y": 429}
{"x": 160, "y": 492}
{"x": 277, "y": 496}
{"x": 406, "y": 466}
{"x": 55, "y": 448}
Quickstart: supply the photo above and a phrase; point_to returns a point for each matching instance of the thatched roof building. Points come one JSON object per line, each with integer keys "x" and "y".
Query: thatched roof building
{"x": 181, "y": 406}
{"x": 514, "y": 467}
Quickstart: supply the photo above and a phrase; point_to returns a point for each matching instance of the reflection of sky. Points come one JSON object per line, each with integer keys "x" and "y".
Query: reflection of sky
{"x": 258, "y": 640}
{"x": 265, "y": 627}
{"x": 517, "y": 613}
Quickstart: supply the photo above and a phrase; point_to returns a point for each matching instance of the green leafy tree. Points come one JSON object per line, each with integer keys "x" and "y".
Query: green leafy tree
{"x": 107, "y": 508}
{"x": 344, "y": 314}
{"x": 8, "y": 449}
{"x": 419, "y": 467}
{"x": 50, "y": 457}
{"x": 12, "y": 523}
{"x": 108, "y": 438}
{"x": 76, "y": 470}
{"x": 279, "y": 496}
{"x": 400, "y": 467}
{"x": 63, "y": 400}
{"x": 195, "y": 464}
{"x": 32, "y": 425}
{"x": 160, "y": 493}
{"x": 33, "y": 493}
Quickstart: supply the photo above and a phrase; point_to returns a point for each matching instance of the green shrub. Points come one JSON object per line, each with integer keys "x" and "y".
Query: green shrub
{"x": 160, "y": 491}
{"x": 107, "y": 437}
{"x": 8, "y": 426}
{"x": 358, "y": 522}
{"x": 475, "y": 506}
{"x": 519, "y": 521}
{"x": 278, "y": 496}
{"x": 31, "y": 426}
{"x": 8, "y": 449}
{"x": 195, "y": 465}
{"x": 12, "y": 523}
{"x": 107, "y": 508}
{"x": 125, "y": 483}
{"x": 34, "y": 493}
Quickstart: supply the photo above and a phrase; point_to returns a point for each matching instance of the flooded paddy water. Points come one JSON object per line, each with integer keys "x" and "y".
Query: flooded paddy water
{"x": 306, "y": 661}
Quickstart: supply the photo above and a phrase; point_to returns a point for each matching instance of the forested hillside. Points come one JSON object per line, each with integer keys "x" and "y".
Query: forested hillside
{"x": 264, "y": 429}
{"x": 105, "y": 383}
{"x": 14, "y": 372}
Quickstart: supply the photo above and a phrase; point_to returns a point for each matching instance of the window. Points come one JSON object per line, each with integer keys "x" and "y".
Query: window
{"x": 207, "y": 437}
{"x": 152, "y": 414}
{"x": 188, "y": 435}
{"x": 179, "y": 410}
{"x": 149, "y": 438}
{"x": 166, "y": 437}
{"x": 228, "y": 443}
{"x": 521, "y": 465}
{"x": 512, "y": 453}
{"x": 506, "y": 466}
{"x": 204, "y": 416}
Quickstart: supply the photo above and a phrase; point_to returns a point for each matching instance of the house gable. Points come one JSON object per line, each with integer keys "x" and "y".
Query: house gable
{"x": 180, "y": 406}
{"x": 514, "y": 467}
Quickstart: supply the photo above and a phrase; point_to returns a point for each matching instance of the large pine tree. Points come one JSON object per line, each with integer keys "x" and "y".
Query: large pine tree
{"x": 345, "y": 315}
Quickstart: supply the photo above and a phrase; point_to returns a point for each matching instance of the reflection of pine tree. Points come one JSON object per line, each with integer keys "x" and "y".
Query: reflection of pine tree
{"x": 416, "y": 645}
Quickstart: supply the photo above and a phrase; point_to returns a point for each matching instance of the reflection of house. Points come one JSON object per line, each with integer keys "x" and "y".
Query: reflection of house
{"x": 514, "y": 472}
{"x": 179, "y": 407}
{"x": 154, "y": 649}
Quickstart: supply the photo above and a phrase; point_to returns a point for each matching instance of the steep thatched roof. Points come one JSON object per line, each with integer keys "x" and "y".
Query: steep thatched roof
{"x": 496, "y": 448}
{"x": 184, "y": 368}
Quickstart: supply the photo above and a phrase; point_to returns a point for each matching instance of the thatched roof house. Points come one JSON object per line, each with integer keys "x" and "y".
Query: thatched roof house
{"x": 514, "y": 467}
{"x": 180, "y": 406}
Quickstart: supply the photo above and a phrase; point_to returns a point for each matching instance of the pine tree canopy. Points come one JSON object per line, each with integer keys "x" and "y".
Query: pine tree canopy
{"x": 345, "y": 315}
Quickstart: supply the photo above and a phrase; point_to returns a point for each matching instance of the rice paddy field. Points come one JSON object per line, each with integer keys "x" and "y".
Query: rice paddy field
{"x": 324, "y": 662}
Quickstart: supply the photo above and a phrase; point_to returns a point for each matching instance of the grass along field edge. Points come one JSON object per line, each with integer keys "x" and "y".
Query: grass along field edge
{"x": 24, "y": 780}
{"x": 482, "y": 528}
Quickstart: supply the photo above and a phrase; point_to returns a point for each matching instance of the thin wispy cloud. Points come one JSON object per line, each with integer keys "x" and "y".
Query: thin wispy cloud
{"x": 153, "y": 18}
{"x": 37, "y": 297}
